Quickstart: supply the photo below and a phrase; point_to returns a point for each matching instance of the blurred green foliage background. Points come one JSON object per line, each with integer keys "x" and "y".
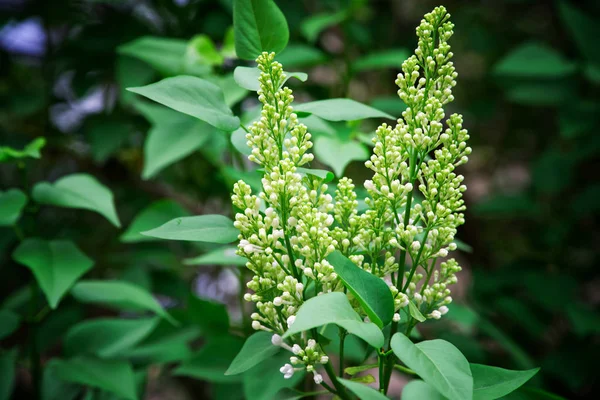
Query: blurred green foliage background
{"x": 529, "y": 87}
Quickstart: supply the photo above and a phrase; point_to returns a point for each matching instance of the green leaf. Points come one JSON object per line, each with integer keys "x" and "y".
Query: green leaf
{"x": 438, "y": 363}
{"x": 228, "y": 45}
{"x": 415, "y": 313}
{"x": 231, "y": 90}
{"x": 211, "y": 362}
{"x": 54, "y": 388}
{"x": 392, "y": 105}
{"x": 301, "y": 55}
{"x": 78, "y": 191}
{"x": 583, "y": 28}
{"x": 338, "y": 153}
{"x": 106, "y": 136}
{"x": 9, "y": 322}
{"x": 341, "y": 110}
{"x": 462, "y": 246}
{"x": 173, "y": 136}
{"x": 372, "y": 292}
{"x": 311, "y": 27}
{"x": 210, "y": 316}
{"x": 264, "y": 381}
{"x": 420, "y": 390}
{"x": 256, "y": 349}
{"x": 107, "y": 337}
{"x": 201, "y": 228}
{"x": 8, "y": 362}
{"x": 318, "y": 125}
{"x": 360, "y": 368}
{"x": 324, "y": 175}
{"x": 12, "y": 203}
{"x": 363, "y": 392}
{"x": 119, "y": 295}
{"x": 392, "y": 58}
{"x": 221, "y": 256}
{"x": 155, "y": 214}
{"x": 334, "y": 308}
{"x": 583, "y": 319}
{"x": 530, "y": 393}
{"x": 56, "y": 265}
{"x": 31, "y": 150}
{"x": 193, "y": 96}
{"x": 166, "y": 55}
{"x": 111, "y": 375}
{"x": 259, "y": 25}
{"x": 201, "y": 50}
{"x": 549, "y": 92}
{"x": 364, "y": 379}
{"x": 534, "y": 60}
{"x": 247, "y": 77}
{"x": 491, "y": 383}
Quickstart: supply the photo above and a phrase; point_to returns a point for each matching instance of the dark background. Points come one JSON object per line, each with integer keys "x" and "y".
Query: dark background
{"x": 529, "y": 292}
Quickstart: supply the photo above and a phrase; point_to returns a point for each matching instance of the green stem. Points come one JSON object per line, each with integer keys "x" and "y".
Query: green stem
{"x": 342, "y": 340}
{"x": 416, "y": 263}
{"x": 34, "y": 356}
{"x": 429, "y": 272}
{"x": 382, "y": 379}
{"x": 340, "y": 390}
{"x": 388, "y": 367}
{"x": 405, "y": 370}
{"x": 245, "y": 324}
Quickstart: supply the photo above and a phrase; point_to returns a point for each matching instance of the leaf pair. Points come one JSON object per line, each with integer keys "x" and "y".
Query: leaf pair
{"x": 447, "y": 373}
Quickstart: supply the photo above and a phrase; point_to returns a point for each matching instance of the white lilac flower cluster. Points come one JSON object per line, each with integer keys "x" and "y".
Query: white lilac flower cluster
{"x": 414, "y": 201}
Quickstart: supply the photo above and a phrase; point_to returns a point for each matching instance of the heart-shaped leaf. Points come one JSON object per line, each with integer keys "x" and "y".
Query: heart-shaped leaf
{"x": 155, "y": 214}
{"x": 372, "y": 292}
{"x": 259, "y": 25}
{"x": 341, "y": 110}
{"x": 212, "y": 360}
{"x": 201, "y": 228}
{"x": 438, "y": 363}
{"x": 8, "y": 361}
{"x": 12, "y": 203}
{"x": 166, "y": 55}
{"x": 392, "y": 58}
{"x": 78, "y": 191}
{"x": 9, "y": 322}
{"x": 107, "y": 337}
{"x": 334, "y": 308}
{"x": 120, "y": 295}
{"x": 338, "y": 153}
{"x": 56, "y": 265}
{"x": 111, "y": 375}
{"x": 247, "y": 77}
{"x": 491, "y": 383}
{"x": 192, "y": 96}
{"x": 256, "y": 349}
{"x": 362, "y": 391}
{"x": 420, "y": 390}
{"x": 221, "y": 256}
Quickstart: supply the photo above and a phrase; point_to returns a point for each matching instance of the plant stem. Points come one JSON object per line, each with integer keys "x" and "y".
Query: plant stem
{"x": 340, "y": 390}
{"x": 388, "y": 367}
{"x": 416, "y": 262}
{"x": 382, "y": 385}
{"x": 242, "y": 278}
{"x": 342, "y": 340}
{"x": 34, "y": 356}
{"x": 405, "y": 370}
